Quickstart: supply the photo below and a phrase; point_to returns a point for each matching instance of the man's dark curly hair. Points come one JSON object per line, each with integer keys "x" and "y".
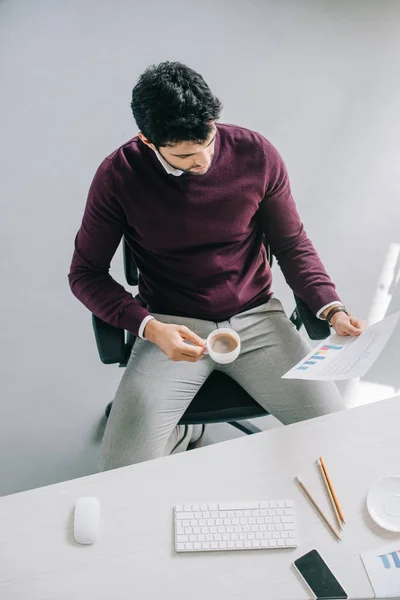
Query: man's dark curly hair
{"x": 171, "y": 104}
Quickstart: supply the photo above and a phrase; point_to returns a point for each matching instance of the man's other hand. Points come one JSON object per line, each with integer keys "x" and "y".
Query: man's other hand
{"x": 346, "y": 324}
{"x": 172, "y": 340}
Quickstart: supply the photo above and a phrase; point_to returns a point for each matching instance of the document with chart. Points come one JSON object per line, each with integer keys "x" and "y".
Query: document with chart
{"x": 340, "y": 357}
{"x": 383, "y": 568}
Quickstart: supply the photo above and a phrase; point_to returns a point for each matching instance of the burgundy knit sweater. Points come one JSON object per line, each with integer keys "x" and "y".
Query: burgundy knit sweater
{"x": 197, "y": 240}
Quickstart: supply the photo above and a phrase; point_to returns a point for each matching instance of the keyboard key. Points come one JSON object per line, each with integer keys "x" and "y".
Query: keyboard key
{"x": 213, "y": 507}
{"x": 239, "y": 544}
{"x": 276, "y": 520}
{"x": 271, "y": 527}
{"x": 234, "y": 536}
{"x": 189, "y": 546}
{"x": 198, "y": 515}
{"x": 222, "y": 545}
{"x": 238, "y": 529}
{"x": 247, "y": 544}
{"x": 292, "y": 534}
{"x": 276, "y": 535}
{"x": 260, "y": 520}
{"x": 180, "y": 547}
{"x": 201, "y": 538}
{"x": 214, "y": 545}
{"x": 273, "y": 504}
{"x": 230, "y": 529}
{"x": 281, "y": 504}
{"x": 279, "y": 527}
{"x": 202, "y": 522}
{"x": 239, "y": 513}
{"x": 244, "y": 521}
{"x": 246, "y": 528}
{"x": 284, "y": 534}
{"x": 289, "y": 503}
{"x": 272, "y": 543}
{"x": 187, "y": 507}
{"x": 196, "y": 530}
{"x": 235, "y": 521}
{"x": 287, "y": 519}
{"x": 205, "y": 530}
{"x": 206, "y": 515}
{"x": 264, "y": 504}
{"x": 256, "y": 543}
{"x": 255, "y": 513}
{"x": 254, "y": 528}
{"x": 264, "y": 543}
{"x": 203, "y": 507}
{"x": 188, "y": 530}
{"x": 226, "y": 537}
{"x": 217, "y": 537}
{"x": 213, "y": 529}
{"x": 179, "y": 508}
{"x": 291, "y": 542}
{"x": 182, "y": 538}
{"x": 210, "y": 522}
{"x": 247, "y": 513}
{"x": 289, "y": 511}
{"x": 260, "y": 535}
{"x": 263, "y": 513}
{"x": 209, "y": 537}
{"x": 192, "y": 538}
{"x": 196, "y": 507}
{"x": 186, "y": 523}
{"x": 251, "y": 536}
{"x": 218, "y": 521}
{"x": 206, "y": 545}
{"x": 280, "y": 512}
{"x": 272, "y": 512}
{"x": 197, "y": 546}
{"x": 281, "y": 543}
{"x": 221, "y": 529}
{"x": 252, "y": 521}
{"x": 214, "y": 514}
{"x": 289, "y": 526}
{"x": 185, "y": 515}
{"x": 231, "y": 544}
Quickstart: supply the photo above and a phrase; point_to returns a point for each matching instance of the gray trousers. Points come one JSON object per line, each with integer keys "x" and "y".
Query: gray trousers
{"x": 155, "y": 392}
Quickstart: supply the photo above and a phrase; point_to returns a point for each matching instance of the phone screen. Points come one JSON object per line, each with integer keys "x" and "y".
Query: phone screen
{"x": 319, "y": 577}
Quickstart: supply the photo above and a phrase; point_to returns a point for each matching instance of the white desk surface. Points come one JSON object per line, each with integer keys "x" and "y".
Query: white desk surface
{"x": 135, "y": 558}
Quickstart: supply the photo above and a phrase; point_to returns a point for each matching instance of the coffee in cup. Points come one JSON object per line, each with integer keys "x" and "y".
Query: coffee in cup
{"x": 223, "y": 345}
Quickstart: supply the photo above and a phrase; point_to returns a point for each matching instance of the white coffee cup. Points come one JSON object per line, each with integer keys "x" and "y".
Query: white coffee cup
{"x": 220, "y": 352}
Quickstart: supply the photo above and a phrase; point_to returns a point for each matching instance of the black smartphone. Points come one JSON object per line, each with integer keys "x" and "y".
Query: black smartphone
{"x": 319, "y": 577}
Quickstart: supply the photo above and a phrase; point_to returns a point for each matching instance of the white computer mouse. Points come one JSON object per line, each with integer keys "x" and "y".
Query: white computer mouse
{"x": 87, "y": 520}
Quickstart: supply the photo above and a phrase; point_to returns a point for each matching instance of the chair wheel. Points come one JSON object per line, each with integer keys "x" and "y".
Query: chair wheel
{"x": 108, "y": 409}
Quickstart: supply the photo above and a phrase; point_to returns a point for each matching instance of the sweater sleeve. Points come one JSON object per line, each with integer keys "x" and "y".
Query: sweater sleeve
{"x": 97, "y": 240}
{"x": 284, "y": 232}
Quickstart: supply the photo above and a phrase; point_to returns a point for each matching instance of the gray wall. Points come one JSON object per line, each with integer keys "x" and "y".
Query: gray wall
{"x": 319, "y": 79}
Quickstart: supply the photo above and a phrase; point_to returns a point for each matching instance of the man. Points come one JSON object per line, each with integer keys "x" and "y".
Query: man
{"x": 195, "y": 199}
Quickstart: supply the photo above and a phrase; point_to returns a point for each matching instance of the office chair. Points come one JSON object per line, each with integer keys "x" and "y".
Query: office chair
{"x": 220, "y": 399}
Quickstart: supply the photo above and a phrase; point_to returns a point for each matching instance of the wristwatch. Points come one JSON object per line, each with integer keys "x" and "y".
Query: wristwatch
{"x": 336, "y": 309}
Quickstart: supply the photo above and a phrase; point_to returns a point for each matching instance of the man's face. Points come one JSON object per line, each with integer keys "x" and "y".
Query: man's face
{"x": 192, "y": 158}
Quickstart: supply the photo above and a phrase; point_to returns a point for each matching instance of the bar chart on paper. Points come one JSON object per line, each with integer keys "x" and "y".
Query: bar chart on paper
{"x": 340, "y": 357}
{"x": 320, "y": 354}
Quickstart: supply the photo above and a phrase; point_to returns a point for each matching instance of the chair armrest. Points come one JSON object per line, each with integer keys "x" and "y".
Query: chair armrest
{"x": 317, "y": 329}
{"x": 110, "y": 341}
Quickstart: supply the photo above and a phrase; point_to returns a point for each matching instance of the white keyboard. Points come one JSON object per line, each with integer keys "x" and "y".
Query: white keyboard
{"x": 235, "y": 526}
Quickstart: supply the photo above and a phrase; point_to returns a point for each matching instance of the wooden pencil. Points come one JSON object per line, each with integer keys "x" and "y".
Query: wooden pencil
{"x": 332, "y": 489}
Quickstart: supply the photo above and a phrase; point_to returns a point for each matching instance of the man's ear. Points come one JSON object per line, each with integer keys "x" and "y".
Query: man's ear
{"x": 146, "y": 141}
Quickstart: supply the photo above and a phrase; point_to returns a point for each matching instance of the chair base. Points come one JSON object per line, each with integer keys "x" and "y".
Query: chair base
{"x": 245, "y": 426}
